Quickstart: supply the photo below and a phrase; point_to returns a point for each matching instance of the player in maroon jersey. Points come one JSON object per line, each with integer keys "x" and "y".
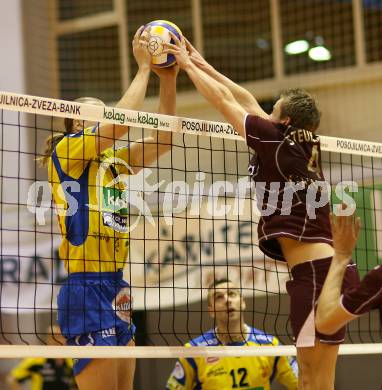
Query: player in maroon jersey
{"x": 335, "y": 310}
{"x": 294, "y": 225}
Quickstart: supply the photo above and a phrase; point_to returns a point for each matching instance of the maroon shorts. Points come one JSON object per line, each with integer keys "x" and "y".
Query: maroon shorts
{"x": 365, "y": 297}
{"x": 304, "y": 290}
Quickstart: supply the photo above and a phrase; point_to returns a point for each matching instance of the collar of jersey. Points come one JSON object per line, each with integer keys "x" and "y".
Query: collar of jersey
{"x": 238, "y": 343}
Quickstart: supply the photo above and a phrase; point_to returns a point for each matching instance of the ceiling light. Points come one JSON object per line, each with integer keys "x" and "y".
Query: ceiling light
{"x": 297, "y": 47}
{"x": 320, "y": 53}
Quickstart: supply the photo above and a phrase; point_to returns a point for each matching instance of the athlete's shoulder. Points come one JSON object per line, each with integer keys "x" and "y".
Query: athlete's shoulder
{"x": 206, "y": 339}
{"x": 85, "y": 131}
{"x": 260, "y": 337}
{"x": 252, "y": 120}
{"x": 74, "y": 142}
{"x": 263, "y": 130}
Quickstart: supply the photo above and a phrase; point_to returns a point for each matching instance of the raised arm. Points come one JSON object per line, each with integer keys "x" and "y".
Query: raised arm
{"x": 331, "y": 316}
{"x": 75, "y": 150}
{"x": 144, "y": 152}
{"x": 134, "y": 96}
{"x": 243, "y": 97}
{"x": 216, "y": 93}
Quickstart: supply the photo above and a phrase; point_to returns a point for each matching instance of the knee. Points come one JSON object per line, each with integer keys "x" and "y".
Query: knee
{"x": 306, "y": 372}
{"x": 305, "y": 365}
{"x": 312, "y": 375}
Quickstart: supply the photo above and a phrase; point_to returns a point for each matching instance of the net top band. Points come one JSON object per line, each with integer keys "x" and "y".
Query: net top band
{"x": 82, "y": 111}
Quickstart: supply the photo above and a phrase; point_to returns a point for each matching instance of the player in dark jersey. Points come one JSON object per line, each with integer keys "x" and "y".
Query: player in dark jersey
{"x": 294, "y": 225}
{"x": 334, "y": 309}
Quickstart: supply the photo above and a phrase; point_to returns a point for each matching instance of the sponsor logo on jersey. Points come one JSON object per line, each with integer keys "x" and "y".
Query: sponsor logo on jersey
{"x": 268, "y": 338}
{"x": 117, "y": 222}
{"x": 212, "y": 359}
{"x": 216, "y": 372}
{"x": 84, "y": 340}
{"x": 113, "y": 202}
{"x": 110, "y": 332}
{"x": 178, "y": 372}
{"x": 213, "y": 341}
{"x": 122, "y": 304}
{"x": 114, "y": 210}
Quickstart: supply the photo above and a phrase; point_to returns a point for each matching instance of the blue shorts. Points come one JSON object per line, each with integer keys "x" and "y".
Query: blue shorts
{"x": 94, "y": 308}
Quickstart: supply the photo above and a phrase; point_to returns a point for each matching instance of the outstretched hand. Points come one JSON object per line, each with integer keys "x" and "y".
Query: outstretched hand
{"x": 140, "y": 43}
{"x": 196, "y": 57}
{"x": 179, "y": 50}
{"x": 345, "y": 230}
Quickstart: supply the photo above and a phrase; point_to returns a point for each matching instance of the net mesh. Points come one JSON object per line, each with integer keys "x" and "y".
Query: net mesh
{"x": 83, "y": 47}
{"x": 199, "y": 225}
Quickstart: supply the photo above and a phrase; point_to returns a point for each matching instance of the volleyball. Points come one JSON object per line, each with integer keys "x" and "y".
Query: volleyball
{"x": 160, "y": 34}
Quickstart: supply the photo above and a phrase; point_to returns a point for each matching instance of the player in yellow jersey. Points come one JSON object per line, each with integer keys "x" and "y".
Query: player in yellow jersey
{"x": 226, "y": 305}
{"x": 43, "y": 373}
{"x": 94, "y": 305}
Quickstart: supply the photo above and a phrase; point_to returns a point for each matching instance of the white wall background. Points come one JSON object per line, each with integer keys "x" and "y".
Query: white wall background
{"x": 12, "y": 50}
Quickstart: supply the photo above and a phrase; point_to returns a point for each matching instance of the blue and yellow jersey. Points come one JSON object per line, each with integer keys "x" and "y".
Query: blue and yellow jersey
{"x": 45, "y": 374}
{"x": 90, "y": 202}
{"x": 250, "y": 373}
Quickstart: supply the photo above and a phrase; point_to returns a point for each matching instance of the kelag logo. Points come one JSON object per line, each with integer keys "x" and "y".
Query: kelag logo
{"x": 147, "y": 120}
{"x": 114, "y": 115}
{"x": 120, "y": 117}
{"x": 113, "y": 202}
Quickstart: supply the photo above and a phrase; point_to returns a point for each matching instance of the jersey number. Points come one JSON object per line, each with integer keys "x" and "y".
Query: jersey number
{"x": 242, "y": 375}
{"x": 313, "y": 161}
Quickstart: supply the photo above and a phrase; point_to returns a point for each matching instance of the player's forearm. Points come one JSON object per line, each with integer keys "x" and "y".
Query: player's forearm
{"x": 143, "y": 153}
{"x": 329, "y": 299}
{"x": 243, "y": 97}
{"x": 167, "y": 95}
{"x": 134, "y": 96}
{"x": 167, "y": 105}
{"x": 131, "y": 100}
{"x": 215, "y": 92}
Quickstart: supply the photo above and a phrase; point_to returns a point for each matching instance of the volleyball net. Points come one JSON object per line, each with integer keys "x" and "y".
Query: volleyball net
{"x": 193, "y": 219}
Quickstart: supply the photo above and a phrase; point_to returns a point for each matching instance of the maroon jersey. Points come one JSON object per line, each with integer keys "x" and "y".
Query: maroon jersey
{"x": 367, "y": 296}
{"x": 286, "y": 168}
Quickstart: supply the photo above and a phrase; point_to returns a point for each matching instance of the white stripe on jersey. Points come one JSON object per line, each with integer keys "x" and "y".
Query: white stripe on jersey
{"x": 294, "y": 235}
{"x": 369, "y": 300}
{"x": 303, "y": 228}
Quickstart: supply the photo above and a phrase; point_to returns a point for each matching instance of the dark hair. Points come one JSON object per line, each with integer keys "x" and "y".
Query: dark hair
{"x": 217, "y": 282}
{"x": 214, "y": 284}
{"x": 301, "y": 108}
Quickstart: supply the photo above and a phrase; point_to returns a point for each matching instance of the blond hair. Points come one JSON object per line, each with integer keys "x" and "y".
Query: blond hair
{"x": 52, "y": 141}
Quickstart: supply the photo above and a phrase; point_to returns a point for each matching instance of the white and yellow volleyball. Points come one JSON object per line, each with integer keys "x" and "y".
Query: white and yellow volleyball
{"x": 160, "y": 34}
